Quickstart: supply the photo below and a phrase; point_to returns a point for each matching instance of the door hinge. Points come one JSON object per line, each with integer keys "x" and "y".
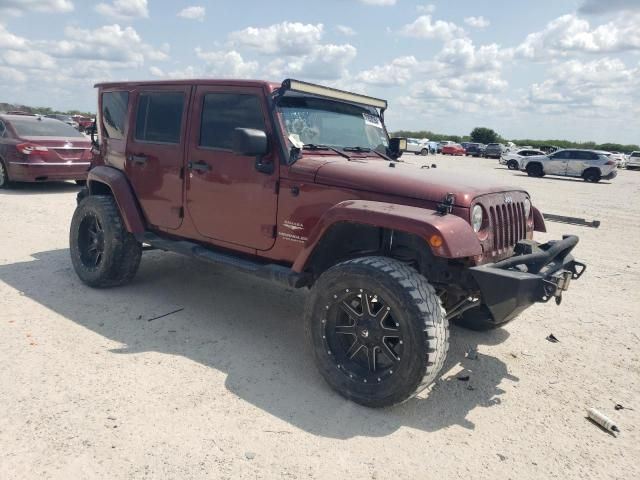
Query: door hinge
{"x": 181, "y": 212}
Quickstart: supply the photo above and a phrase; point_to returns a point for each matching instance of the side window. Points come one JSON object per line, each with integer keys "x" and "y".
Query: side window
{"x": 593, "y": 156}
{"x": 3, "y": 129}
{"x": 563, "y": 155}
{"x": 222, "y": 113}
{"x": 159, "y": 117}
{"x": 114, "y": 114}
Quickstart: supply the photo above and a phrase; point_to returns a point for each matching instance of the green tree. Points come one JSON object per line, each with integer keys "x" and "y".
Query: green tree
{"x": 484, "y": 135}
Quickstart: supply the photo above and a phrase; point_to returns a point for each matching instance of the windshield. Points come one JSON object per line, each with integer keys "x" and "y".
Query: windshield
{"x": 316, "y": 121}
{"x": 29, "y": 127}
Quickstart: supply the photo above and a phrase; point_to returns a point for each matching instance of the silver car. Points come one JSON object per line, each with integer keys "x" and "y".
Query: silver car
{"x": 633, "y": 161}
{"x": 590, "y": 165}
{"x": 512, "y": 159}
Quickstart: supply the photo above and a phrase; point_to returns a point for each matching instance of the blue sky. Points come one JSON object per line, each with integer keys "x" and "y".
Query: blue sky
{"x": 529, "y": 69}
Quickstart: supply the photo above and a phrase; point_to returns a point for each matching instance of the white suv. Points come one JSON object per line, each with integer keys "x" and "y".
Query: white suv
{"x": 419, "y": 146}
{"x": 634, "y": 160}
{"x": 590, "y": 165}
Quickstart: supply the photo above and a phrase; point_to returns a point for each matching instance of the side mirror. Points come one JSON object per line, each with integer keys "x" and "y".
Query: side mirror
{"x": 397, "y": 145}
{"x": 249, "y": 142}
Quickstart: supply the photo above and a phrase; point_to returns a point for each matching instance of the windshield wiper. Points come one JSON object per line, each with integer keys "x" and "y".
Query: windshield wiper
{"x": 313, "y": 146}
{"x": 366, "y": 150}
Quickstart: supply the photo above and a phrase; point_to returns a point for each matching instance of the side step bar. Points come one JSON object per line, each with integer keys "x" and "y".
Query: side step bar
{"x": 269, "y": 271}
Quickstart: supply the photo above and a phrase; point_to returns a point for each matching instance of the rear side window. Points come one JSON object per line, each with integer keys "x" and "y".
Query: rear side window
{"x": 222, "y": 113}
{"x": 114, "y": 114}
{"x": 159, "y": 117}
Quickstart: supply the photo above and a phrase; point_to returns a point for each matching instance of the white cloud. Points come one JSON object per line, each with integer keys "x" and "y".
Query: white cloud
{"x": 286, "y": 38}
{"x": 193, "y": 13}
{"x": 18, "y": 7}
{"x": 324, "y": 62}
{"x": 226, "y": 64}
{"x": 110, "y": 43}
{"x": 425, "y": 27}
{"x": 379, "y": 3}
{"x": 9, "y": 40}
{"x": 570, "y": 34}
{"x": 477, "y": 22}
{"x": 124, "y": 9}
{"x": 606, "y": 85}
{"x": 429, "y": 8}
{"x": 344, "y": 30}
{"x": 398, "y": 72}
{"x": 156, "y": 71}
{"x": 461, "y": 55}
{"x": 28, "y": 59}
{"x": 12, "y": 75}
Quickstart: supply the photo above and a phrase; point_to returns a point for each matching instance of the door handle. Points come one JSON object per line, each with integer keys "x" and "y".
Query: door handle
{"x": 201, "y": 166}
{"x": 138, "y": 159}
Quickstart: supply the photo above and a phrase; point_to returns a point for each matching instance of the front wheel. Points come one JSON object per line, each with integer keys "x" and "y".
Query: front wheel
{"x": 378, "y": 330}
{"x": 103, "y": 252}
{"x": 424, "y": 152}
{"x": 512, "y": 165}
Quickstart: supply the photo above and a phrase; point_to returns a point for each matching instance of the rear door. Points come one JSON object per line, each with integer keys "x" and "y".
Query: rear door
{"x": 228, "y": 199}
{"x": 154, "y": 157}
{"x": 579, "y": 162}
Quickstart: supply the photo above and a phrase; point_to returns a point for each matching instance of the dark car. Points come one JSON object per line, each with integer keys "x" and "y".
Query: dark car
{"x": 493, "y": 150}
{"x": 38, "y": 149}
{"x": 300, "y": 184}
{"x": 474, "y": 149}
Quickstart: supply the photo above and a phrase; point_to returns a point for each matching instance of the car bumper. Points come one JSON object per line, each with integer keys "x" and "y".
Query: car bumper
{"x": 537, "y": 273}
{"x": 47, "y": 171}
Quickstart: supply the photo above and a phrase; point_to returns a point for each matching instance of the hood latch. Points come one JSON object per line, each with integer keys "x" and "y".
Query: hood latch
{"x": 447, "y": 205}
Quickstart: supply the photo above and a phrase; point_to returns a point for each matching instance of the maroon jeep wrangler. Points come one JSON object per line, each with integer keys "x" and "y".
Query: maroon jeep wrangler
{"x": 300, "y": 184}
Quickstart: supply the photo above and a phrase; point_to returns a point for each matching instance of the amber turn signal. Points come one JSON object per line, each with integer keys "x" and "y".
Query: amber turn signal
{"x": 435, "y": 241}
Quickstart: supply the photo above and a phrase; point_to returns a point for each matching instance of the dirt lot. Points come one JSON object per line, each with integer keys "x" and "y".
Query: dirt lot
{"x": 226, "y": 388}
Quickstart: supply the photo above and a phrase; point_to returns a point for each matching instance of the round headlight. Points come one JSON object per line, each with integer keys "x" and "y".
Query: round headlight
{"x": 477, "y": 215}
{"x": 527, "y": 208}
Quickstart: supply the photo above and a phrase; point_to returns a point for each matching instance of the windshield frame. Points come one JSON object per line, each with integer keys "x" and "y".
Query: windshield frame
{"x": 293, "y": 151}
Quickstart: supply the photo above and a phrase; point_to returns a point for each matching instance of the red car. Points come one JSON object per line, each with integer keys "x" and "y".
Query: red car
{"x": 83, "y": 122}
{"x": 38, "y": 149}
{"x": 453, "y": 149}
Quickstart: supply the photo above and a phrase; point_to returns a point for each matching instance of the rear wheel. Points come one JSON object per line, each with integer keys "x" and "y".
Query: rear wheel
{"x": 103, "y": 252}
{"x": 591, "y": 175}
{"x": 534, "y": 170}
{"x": 377, "y": 329}
{"x": 512, "y": 165}
{"x": 4, "y": 176}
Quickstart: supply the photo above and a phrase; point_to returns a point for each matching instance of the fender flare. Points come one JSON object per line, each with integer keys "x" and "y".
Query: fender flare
{"x": 123, "y": 194}
{"x": 458, "y": 238}
{"x": 538, "y": 220}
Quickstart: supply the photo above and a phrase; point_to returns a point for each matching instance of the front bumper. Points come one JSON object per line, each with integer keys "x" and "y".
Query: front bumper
{"x": 536, "y": 273}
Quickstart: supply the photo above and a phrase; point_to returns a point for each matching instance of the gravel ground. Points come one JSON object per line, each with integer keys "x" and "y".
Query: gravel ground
{"x": 226, "y": 387}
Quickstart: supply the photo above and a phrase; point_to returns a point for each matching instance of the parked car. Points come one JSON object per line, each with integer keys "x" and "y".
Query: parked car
{"x": 443, "y": 143}
{"x": 494, "y": 150}
{"x": 84, "y": 123}
{"x": 38, "y": 149}
{"x": 64, "y": 118}
{"x": 474, "y": 149}
{"x": 633, "y": 161}
{"x": 512, "y": 159}
{"x": 419, "y": 146}
{"x": 390, "y": 251}
{"x": 547, "y": 149}
{"x": 453, "y": 149}
{"x": 619, "y": 158}
{"x": 20, "y": 112}
{"x": 590, "y": 165}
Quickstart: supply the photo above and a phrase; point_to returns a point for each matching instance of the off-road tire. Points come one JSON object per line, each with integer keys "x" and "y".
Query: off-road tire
{"x": 4, "y": 175}
{"x": 121, "y": 251}
{"x": 512, "y": 165}
{"x": 414, "y": 307}
{"x": 535, "y": 170}
{"x": 591, "y": 175}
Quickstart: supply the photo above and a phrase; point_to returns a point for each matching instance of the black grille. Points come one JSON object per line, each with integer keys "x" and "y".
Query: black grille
{"x": 508, "y": 224}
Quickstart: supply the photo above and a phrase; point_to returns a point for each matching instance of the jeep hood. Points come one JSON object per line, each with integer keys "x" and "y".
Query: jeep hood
{"x": 406, "y": 180}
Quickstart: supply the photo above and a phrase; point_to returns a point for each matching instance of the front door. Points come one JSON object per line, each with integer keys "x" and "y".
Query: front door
{"x": 155, "y": 152}
{"x": 557, "y": 163}
{"x": 227, "y": 198}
